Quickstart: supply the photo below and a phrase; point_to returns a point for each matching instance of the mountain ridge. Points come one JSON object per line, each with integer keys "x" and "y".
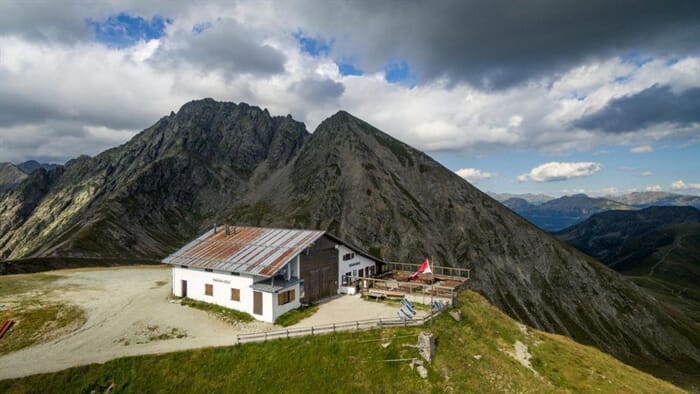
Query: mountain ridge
{"x": 562, "y": 212}
{"x": 213, "y": 162}
{"x": 657, "y": 247}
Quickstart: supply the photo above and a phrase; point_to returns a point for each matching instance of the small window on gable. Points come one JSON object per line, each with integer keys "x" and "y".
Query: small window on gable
{"x": 208, "y": 289}
{"x": 235, "y": 294}
{"x": 348, "y": 256}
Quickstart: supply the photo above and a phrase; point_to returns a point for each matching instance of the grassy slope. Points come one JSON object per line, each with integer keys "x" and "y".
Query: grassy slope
{"x": 344, "y": 363}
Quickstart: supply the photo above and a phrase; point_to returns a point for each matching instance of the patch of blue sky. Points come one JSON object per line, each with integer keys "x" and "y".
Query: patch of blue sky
{"x": 313, "y": 46}
{"x": 621, "y": 170}
{"x": 347, "y": 69}
{"x": 124, "y": 30}
{"x": 399, "y": 72}
{"x": 635, "y": 57}
{"x": 200, "y": 27}
{"x": 622, "y": 78}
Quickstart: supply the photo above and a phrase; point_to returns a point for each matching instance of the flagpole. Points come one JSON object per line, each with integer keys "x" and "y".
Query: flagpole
{"x": 432, "y": 289}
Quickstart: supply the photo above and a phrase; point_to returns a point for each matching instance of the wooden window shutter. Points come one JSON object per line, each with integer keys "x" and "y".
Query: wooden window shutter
{"x": 235, "y": 294}
{"x": 208, "y": 289}
{"x": 292, "y": 295}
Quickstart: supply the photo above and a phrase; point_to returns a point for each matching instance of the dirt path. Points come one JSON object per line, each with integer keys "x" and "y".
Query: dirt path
{"x": 126, "y": 310}
{"x": 128, "y": 313}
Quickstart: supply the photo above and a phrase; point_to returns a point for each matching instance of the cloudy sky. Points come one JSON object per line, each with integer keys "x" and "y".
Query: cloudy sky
{"x": 553, "y": 96}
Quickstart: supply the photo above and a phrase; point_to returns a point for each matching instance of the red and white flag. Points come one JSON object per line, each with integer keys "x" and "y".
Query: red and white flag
{"x": 423, "y": 269}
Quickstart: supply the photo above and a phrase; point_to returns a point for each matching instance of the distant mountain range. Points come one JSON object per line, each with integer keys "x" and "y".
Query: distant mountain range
{"x": 562, "y": 212}
{"x": 12, "y": 175}
{"x": 529, "y": 197}
{"x": 657, "y": 247}
{"x": 556, "y": 214}
{"x": 215, "y": 162}
{"x": 648, "y": 199}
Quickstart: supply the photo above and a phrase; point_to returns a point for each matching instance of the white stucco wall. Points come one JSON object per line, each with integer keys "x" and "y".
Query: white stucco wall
{"x": 222, "y": 283}
{"x": 356, "y": 263}
{"x": 279, "y": 310}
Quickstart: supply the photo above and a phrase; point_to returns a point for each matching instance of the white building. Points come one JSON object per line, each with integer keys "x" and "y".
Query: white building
{"x": 267, "y": 272}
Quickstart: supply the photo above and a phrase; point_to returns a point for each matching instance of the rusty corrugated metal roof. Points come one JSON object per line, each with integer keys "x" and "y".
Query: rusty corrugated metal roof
{"x": 249, "y": 250}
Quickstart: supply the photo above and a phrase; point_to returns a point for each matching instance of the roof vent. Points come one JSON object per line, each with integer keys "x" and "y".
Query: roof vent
{"x": 214, "y": 228}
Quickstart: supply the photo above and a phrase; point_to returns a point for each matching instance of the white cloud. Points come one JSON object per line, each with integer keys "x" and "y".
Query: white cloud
{"x": 556, "y": 171}
{"x": 681, "y": 185}
{"x": 121, "y": 91}
{"x": 654, "y": 188}
{"x": 474, "y": 175}
{"x": 647, "y": 173}
{"x": 642, "y": 149}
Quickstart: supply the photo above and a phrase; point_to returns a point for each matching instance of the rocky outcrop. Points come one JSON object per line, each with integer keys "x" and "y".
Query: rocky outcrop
{"x": 10, "y": 176}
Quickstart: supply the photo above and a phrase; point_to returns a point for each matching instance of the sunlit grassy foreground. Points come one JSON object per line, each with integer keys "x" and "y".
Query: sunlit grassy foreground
{"x": 472, "y": 356}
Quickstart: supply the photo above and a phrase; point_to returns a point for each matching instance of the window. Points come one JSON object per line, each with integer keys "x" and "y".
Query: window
{"x": 183, "y": 266}
{"x": 348, "y": 256}
{"x": 235, "y": 294}
{"x": 347, "y": 279}
{"x": 285, "y": 297}
{"x": 208, "y": 289}
{"x": 208, "y": 270}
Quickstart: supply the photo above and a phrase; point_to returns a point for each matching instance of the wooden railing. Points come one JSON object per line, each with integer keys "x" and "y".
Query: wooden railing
{"x": 438, "y": 270}
{"x": 337, "y": 327}
{"x": 411, "y": 288}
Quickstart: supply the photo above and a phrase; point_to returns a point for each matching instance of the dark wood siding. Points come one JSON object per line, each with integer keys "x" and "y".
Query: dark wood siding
{"x": 319, "y": 270}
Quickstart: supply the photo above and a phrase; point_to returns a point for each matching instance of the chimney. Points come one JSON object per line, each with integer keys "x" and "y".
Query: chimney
{"x": 214, "y": 228}
{"x": 228, "y": 232}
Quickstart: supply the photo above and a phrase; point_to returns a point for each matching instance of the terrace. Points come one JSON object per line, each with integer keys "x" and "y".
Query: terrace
{"x": 395, "y": 283}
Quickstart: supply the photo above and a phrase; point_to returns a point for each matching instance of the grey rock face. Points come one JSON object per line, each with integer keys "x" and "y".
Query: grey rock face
{"x": 10, "y": 176}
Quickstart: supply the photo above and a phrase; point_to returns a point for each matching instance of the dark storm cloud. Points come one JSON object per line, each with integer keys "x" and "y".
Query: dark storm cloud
{"x": 225, "y": 46}
{"x": 496, "y": 44}
{"x": 45, "y": 21}
{"x": 657, "y": 104}
{"x": 316, "y": 90}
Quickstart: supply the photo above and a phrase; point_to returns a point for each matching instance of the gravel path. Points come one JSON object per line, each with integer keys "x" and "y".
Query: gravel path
{"x": 125, "y": 309}
{"x": 128, "y": 308}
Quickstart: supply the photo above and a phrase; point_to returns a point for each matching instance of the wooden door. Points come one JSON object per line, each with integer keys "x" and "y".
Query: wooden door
{"x": 313, "y": 289}
{"x": 184, "y": 288}
{"x": 257, "y": 303}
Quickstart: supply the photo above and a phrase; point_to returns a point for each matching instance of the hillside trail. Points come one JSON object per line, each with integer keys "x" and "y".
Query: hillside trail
{"x": 676, "y": 244}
